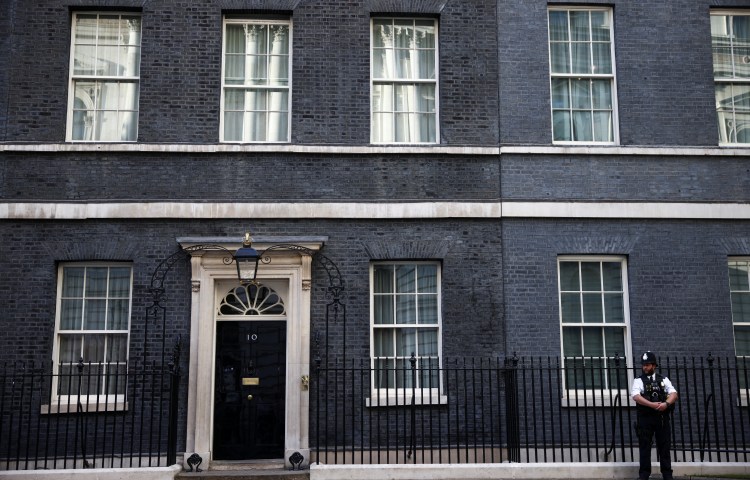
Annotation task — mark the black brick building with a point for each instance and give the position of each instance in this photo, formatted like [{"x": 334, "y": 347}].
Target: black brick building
[{"x": 495, "y": 168}]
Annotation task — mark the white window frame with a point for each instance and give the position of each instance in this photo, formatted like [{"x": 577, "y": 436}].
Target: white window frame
[
  {"x": 405, "y": 81},
  {"x": 100, "y": 401},
  {"x": 119, "y": 79},
  {"x": 224, "y": 87},
  {"x": 602, "y": 396},
  {"x": 611, "y": 76},
  {"x": 740, "y": 358},
  {"x": 396, "y": 396},
  {"x": 729, "y": 80}
]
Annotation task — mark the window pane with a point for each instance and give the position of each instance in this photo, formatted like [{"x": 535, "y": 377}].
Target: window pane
[
  {"x": 739, "y": 278},
  {"x": 560, "y": 57},
  {"x": 569, "y": 280},
  {"x": 558, "y": 25},
  {"x": 591, "y": 276},
  {"x": 95, "y": 311},
  {"x": 234, "y": 42},
  {"x": 93, "y": 348},
  {"x": 614, "y": 342},
  {"x": 73, "y": 281},
  {"x": 579, "y": 26},
  {"x": 572, "y": 342},
  {"x": 740, "y": 307},
  {"x": 70, "y": 348},
  {"x": 592, "y": 308},
  {"x": 71, "y": 314},
  {"x": 428, "y": 345},
  {"x": 118, "y": 315},
  {"x": 383, "y": 309},
  {"x": 722, "y": 53},
  {"x": 428, "y": 311},
  {"x": 383, "y": 342},
  {"x": 117, "y": 348},
  {"x": 581, "y": 56},
  {"x": 593, "y": 343},
  {"x": 382, "y": 33},
  {"x": 383, "y": 278},
  {"x": 613, "y": 308},
  {"x": 581, "y": 94},
  {"x": 741, "y": 44},
  {"x": 234, "y": 70},
  {"x": 405, "y": 278},
  {"x": 406, "y": 309},
  {"x": 571, "y": 307},
  {"x": 600, "y": 26},
  {"x": 384, "y": 375},
  {"x": 612, "y": 277},
  {"x": 561, "y": 125},
  {"x": 602, "y": 58},
  {"x": 406, "y": 342},
  {"x": 582, "y": 126},
  {"x": 424, "y": 34},
  {"x": 560, "y": 93},
  {"x": 119, "y": 282},
  {"x": 742, "y": 340},
  {"x": 603, "y": 131},
  {"x": 601, "y": 91},
  {"x": 233, "y": 126},
  {"x": 96, "y": 281},
  {"x": 427, "y": 278}
]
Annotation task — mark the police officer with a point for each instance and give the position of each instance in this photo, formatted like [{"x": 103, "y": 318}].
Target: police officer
[{"x": 655, "y": 397}]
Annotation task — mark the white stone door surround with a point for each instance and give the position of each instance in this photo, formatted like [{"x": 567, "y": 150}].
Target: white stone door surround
[{"x": 210, "y": 276}]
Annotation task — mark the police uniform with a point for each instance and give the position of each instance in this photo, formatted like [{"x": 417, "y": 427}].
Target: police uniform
[{"x": 653, "y": 423}]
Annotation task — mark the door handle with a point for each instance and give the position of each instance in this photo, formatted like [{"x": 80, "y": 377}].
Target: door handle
[{"x": 249, "y": 397}]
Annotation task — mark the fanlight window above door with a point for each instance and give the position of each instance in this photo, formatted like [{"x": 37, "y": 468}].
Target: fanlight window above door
[{"x": 252, "y": 300}]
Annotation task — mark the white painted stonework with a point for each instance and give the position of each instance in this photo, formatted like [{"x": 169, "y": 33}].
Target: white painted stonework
[
  {"x": 525, "y": 471},
  {"x": 380, "y": 210},
  {"x": 212, "y": 278},
  {"x": 146, "y": 473}
]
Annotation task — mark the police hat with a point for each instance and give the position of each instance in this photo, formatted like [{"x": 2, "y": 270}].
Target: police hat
[{"x": 648, "y": 357}]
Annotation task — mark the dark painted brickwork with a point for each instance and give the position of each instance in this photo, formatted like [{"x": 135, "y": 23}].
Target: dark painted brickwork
[
  {"x": 678, "y": 280},
  {"x": 678, "y": 284},
  {"x": 181, "y": 70},
  {"x": 663, "y": 68},
  {"x": 470, "y": 252},
  {"x": 622, "y": 178},
  {"x": 494, "y": 74},
  {"x": 241, "y": 177}
]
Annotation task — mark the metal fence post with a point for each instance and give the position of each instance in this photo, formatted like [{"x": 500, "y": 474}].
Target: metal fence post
[
  {"x": 174, "y": 386},
  {"x": 511, "y": 408}
]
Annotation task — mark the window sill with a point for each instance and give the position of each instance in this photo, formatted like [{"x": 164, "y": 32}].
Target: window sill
[
  {"x": 397, "y": 399},
  {"x": 72, "y": 407},
  {"x": 589, "y": 398}
]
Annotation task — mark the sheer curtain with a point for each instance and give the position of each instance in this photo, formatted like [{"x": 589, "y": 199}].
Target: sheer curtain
[
  {"x": 581, "y": 69},
  {"x": 404, "y": 87},
  {"x": 731, "y": 57},
  {"x": 107, "y": 52},
  {"x": 256, "y": 79}
]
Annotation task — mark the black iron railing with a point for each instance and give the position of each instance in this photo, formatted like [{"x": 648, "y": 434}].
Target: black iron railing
[
  {"x": 520, "y": 410},
  {"x": 90, "y": 416}
]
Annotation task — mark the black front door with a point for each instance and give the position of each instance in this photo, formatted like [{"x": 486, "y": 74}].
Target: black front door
[{"x": 249, "y": 390}]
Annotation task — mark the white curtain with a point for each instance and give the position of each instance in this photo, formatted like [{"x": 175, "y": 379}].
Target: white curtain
[
  {"x": 257, "y": 59},
  {"x": 403, "y": 111},
  {"x": 582, "y": 106},
  {"x": 731, "y": 51},
  {"x": 107, "y": 46}
]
